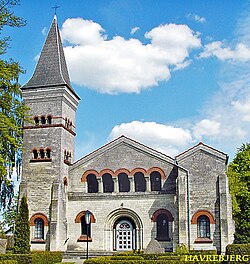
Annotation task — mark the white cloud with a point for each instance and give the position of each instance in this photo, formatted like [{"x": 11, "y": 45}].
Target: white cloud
[
  {"x": 241, "y": 52},
  {"x": 242, "y": 107},
  {"x": 164, "y": 138},
  {"x": 206, "y": 127},
  {"x": 125, "y": 65},
  {"x": 196, "y": 18},
  {"x": 133, "y": 30},
  {"x": 44, "y": 31}
]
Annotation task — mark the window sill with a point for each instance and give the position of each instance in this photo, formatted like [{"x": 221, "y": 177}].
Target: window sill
[
  {"x": 38, "y": 241},
  {"x": 83, "y": 238},
  {"x": 40, "y": 160},
  {"x": 203, "y": 240},
  {"x": 163, "y": 239}
]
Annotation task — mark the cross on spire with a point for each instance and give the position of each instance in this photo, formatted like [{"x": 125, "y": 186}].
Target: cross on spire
[{"x": 55, "y": 7}]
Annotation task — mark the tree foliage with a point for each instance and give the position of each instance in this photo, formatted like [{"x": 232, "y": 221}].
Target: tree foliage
[
  {"x": 11, "y": 107},
  {"x": 239, "y": 183},
  {"x": 22, "y": 229}
]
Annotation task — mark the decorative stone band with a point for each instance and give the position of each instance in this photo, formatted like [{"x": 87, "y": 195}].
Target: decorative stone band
[
  {"x": 53, "y": 125},
  {"x": 199, "y": 213},
  {"x": 122, "y": 170}
]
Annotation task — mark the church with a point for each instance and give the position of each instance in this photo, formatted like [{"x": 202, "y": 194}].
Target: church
[{"x": 133, "y": 193}]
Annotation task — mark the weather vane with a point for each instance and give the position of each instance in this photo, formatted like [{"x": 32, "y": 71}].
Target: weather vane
[{"x": 55, "y": 7}]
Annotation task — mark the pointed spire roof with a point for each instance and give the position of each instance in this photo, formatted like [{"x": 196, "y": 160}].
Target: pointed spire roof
[{"x": 51, "y": 69}]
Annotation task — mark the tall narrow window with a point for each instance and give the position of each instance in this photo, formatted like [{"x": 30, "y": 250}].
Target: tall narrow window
[
  {"x": 49, "y": 119},
  {"x": 43, "y": 120},
  {"x": 162, "y": 228},
  {"x": 155, "y": 179},
  {"x": 35, "y": 154},
  {"x": 84, "y": 227},
  {"x": 39, "y": 229},
  {"x": 108, "y": 184},
  {"x": 36, "y": 119},
  {"x": 124, "y": 184},
  {"x": 92, "y": 183},
  {"x": 48, "y": 153},
  {"x": 140, "y": 182},
  {"x": 203, "y": 225},
  {"x": 42, "y": 154}
]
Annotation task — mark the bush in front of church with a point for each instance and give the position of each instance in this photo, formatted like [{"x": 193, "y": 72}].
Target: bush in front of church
[{"x": 22, "y": 229}]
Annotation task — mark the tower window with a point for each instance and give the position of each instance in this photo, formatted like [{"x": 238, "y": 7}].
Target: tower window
[
  {"x": 155, "y": 179},
  {"x": 124, "y": 184},
  {"x": 203, "y": 225},
  {"x": 35, "y": 154},
  {"x": 92, "y": 183},
  {"x": 43, "y": 120},
  {"x": 140, "y": 182},
  {"x": 48, "y": 153},
  {"x": 162, "y": 228},
  {"x": 42, "y": 154},
  {"x": 36, "y": 119},
  {"x": 49, "y": 119}
]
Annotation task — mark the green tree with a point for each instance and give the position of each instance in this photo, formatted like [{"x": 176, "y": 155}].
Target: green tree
[
  {"x": 239, "y": 184},
  {"x": 12, "y": 109},
  {"x": 22, "y": 229}
]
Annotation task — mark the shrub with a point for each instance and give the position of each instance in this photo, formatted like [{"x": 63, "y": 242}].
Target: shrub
[
  {"x": 8, "y": 262},
  {"x": 22, "y": 230},
  {"x": 48, "y": 257},
  {"x": 238, "y": 249},
  {"x": 19, "y": 258}
]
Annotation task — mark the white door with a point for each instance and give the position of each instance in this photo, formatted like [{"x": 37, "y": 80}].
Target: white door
[{"x": 124, "y": 235}]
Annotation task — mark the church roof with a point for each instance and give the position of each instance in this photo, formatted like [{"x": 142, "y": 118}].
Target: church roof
[{"x": 51, "y": 69}]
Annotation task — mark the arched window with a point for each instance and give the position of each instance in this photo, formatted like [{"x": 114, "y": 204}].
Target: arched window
[
  {"x": 84, "y": 227},
  {"x": 49, "y": 119},
  {"x": 162, "y": 227},
  {"x": 42, "y": 154},
  {"x": 48, "y": 151},
  {"x": 155, "y": 179},
  {"x": 36, "y": 119},
  {"x": 124, "y": 184},
  {"x": 39, "y": 228},
  {"x": 35, "y": 154},
  {"x": 108, "y": 184},
  {"x": 203, "y": 226},
  {"x": 43, "y": 120},
  {"x": 92, "y": 183},
  {"x": 140, "y": 182}
]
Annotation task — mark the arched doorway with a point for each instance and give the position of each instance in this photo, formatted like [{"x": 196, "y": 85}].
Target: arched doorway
[{"x": 124, "y": 234}]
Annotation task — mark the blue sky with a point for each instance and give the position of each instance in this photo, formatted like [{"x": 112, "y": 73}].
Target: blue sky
[{"x": 166, "y": 73}]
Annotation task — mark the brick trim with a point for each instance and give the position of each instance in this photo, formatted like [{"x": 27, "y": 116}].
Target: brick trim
[
  {"x": 39, "y": 215},
  {"x": 163, "y": 176},
  {"x": 81, "y": 214},
  {"x": 199, "y": 213},
  {"x": 134, "y": 171},
  {"x": 86, "y": 173},
  {"x": 122, "y": 170},
  {"x": 162, "y": 211},
  {"x": 102, "y": 172}
]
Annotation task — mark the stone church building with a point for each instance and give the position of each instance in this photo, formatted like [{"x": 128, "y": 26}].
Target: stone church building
[{"x": 135, "y": 194}]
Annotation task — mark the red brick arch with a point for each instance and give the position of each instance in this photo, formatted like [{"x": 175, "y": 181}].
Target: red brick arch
[
  {"x": 134, "y": 171},
  {"x": 102, "y": 172},
  {"x": 162, "y": 211},
  {"x": 163, "y": 176},
  {"x": 86, "y": 173},
  {"x": 199, "y": 213},
  {"x": 39, "y": 215},
  {"x": 81, "y": 214},
  {"x": 122, "y": 170}
]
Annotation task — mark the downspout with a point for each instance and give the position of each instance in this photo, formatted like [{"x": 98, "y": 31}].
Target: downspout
[{"x": 188, "y": 202}]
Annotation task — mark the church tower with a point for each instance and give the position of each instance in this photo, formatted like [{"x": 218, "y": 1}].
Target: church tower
[{"x": 48, "y": 144}]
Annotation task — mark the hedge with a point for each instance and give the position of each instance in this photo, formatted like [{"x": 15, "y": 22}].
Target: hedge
[
  {"x": 35, "y": 257},
  {"x": 48, "y": 257},
  {"x": 8, "y": 262},
  {"x": 238, "y": 249}
]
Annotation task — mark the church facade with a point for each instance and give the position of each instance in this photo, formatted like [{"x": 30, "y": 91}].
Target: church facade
[{"x": 134, "y": 193}]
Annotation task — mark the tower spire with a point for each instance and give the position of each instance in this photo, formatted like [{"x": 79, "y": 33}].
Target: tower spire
[{"x": 51, "y": 69}]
